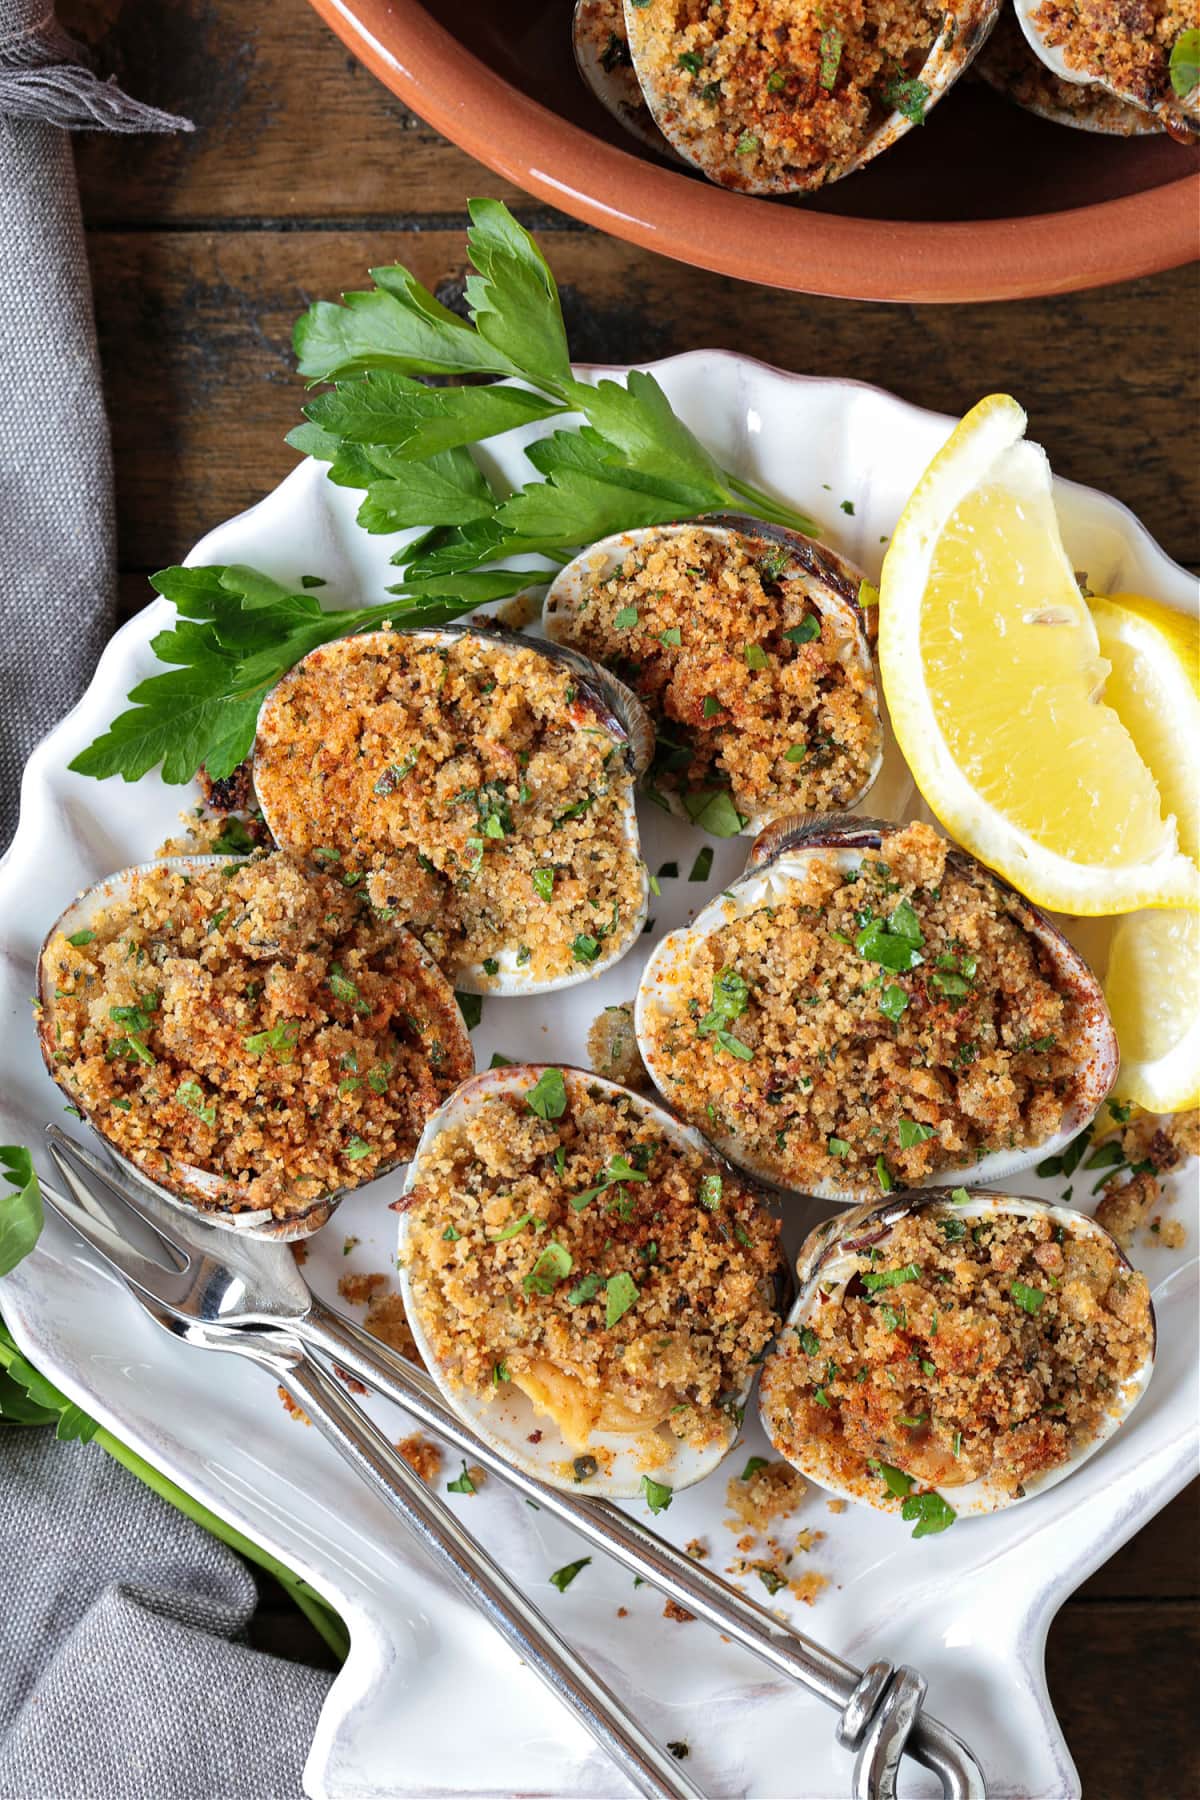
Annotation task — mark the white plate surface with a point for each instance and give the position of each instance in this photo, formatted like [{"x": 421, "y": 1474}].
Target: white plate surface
[{"x": 429, "y": 1702}]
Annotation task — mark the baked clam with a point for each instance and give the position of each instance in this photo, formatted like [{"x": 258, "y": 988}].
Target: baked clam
[
  {"x": 1122, "y": 51},
  {"x": 951, "y": 1354},
  {"x": 770, "y": 98},
  {"x": 247, "y": 1037},
  {"x": 1008, "y": 64},
  {"x": 606, "y": 68},
  {"x": 748, "y": 646},
  {"x": 868, "y": 1008},
  {"x": 590, "y": 1287},
  {"x": 479, "y": 785}
]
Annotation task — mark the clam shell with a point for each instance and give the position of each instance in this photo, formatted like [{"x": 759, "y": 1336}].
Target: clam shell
[
  {"x": 508, "y": 1419},
  {"x": 191, "y": 1188},
  {"x": 957, "y": 44},
  {"x": 828, "y": 580},
  {"x": 600, "y": 699},
  {"x": 594, "y": 24},
  {"x": 1008, "y": 65},
  {"x": 1179, "y": 117},
  {"x": 779, "y": 856},
  {"x": 826, "y": 1262}
]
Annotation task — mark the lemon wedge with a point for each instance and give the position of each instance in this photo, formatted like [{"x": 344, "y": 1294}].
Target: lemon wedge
[
  {"x": 994, "y": 679},
  {"x": 1153, "y": 653},
  {"x": 1153, "y": 992}
]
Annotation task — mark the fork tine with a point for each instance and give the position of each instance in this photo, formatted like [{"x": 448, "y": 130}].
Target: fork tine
[
  {"x": 65, "y": 1148},
  {"x": 84, "y": 1214}
]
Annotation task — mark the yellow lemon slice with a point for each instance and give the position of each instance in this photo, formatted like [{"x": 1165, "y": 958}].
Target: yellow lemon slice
[
  {"x": 1153, "y": 686},
  {"x": 1153, "y": 992},
  {"x": 994, "y": 680}
]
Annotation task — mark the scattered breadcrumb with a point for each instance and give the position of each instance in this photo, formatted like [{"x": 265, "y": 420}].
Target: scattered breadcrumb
[
  {"x": 387, "y": 1321},
  {"x": 772, "y": 1492},
  {"x": 672, "y": 1610},
  {"x": 422, "y": 1455},
  {"x": 622, "y": 1612},
  {"x": 612, "y": 1048},
  {"x": 837, "y": 1506},
  {"x": 352, "y": 1382},
  {"x": 1150, "y": 1146},
  {"x": 291, "y": 1408},
  {"x": 358, "y": 1289},
  {"x": 697, "y": 1549},
  {"x": 806, "y": 1587}
]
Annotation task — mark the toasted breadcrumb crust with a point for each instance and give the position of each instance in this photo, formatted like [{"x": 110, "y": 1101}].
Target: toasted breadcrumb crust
[
  {"x": 779, "y": 94},
  {"x": 998, "y": 1355},
  {"x": 786, "y": 725},
  {"x": 984, "y": 1051},
  {"x": 477, "y": 789},
  {"x": 422, "y": 1455},
  {"x": 254, "y": 1021},
  {"x": 493, "y": 1195},
  {"x": 772, "y": 1492},
  {"x": 1008, "y": 64},
  {"x": 1126, "y": 44}
]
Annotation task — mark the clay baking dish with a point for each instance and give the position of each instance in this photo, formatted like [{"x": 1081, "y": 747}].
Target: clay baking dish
[{"x": 986, "y": 202}]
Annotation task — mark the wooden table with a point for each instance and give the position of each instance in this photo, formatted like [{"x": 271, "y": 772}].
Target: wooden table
[{"x": 302, "y": 173}]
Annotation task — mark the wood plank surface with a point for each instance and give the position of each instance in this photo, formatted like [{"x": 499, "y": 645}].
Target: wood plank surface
[{"x": 302, "y": 173}]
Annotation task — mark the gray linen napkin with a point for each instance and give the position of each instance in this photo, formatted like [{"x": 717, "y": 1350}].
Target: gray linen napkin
[
  {"x": 124, "y": 1674},
  {"x": 57, "y": 526},
  {"x": 124, "y": 1671}
]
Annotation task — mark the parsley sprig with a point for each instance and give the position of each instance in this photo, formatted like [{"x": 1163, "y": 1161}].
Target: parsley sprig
[{"x": 382, "y": 429}]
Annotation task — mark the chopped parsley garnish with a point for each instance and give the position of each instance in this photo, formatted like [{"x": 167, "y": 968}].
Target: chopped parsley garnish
[
  {"x": 345, "y": 990},
  {"x": 884, "y": 1176},
  {"x": 875, "y": 1279},
  {"x": 562, "y": 1578},
  {"x": 622, "y": 1294},
  {"x": 795, "y": 753},
  {"x": 79, "y": 938},
  {"x": 746, "y": 145},
  {"x": 701, "y": 869},
  {"x": 868, "y": 595},
  {"x": 752, "y": 1467},
  {"x": 895, "y": 1480},
  {"x": 912, "y": 1133},
  {"x": 672, "y": 637},
  {"x": 585, "y": 948},
  {"x": 892, "y": 943},
  {"x": 959, "y": 1196},
  {"x": 712, "y": 809},
  {"x": 356, "y": 1149},
  {"x": 837, "y": 1146},
  {"x": 893, "y": 1002},
  {"x": 810, "y": 1343},
  {"x": 908, "y": 96},
  {"x": 625, "y": 618},
  {"x": 658, "y": 1495},
  {"x": 710, "y": 1192},
  {"x": 471, "y": 1008},
  {"x": 280, "y": 1040},
  {"x": 462, "y": 1484},
  {"x": 805, "y": 632},
  {"x": 756, "y": 657},
  {"x": 953, "y": 1230},
  {"x": 832, "y": 44},
  {"x": 548, "y": 1097},
  {"x": 771, "y": 1579},
  {"x": 191, "y": 1095},
  {"x": 1184, "y": 64},
  {"x": 551, "y": 1267},
  {"x": 712, "y": 706},
  {"x": 1029, "y": 1299},
  {"x": 543, "y": 883},
  {"x": 585, "y": 1290},
  {"x": 930, "y": 1513},
  {"x": 451, "y": 1234},
  {"x": 512, "y": 1230}
]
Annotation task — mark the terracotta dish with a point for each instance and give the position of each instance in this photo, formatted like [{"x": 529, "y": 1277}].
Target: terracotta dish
[{"x": 987, "y": 202}]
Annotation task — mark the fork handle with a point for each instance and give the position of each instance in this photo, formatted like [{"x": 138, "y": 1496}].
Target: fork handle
[
  {"x": 652, "y": 1770},
  {"x": 642, "y": 1550}
]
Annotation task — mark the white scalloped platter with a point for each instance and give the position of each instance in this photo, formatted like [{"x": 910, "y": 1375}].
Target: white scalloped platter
[{"x": 429, "y": 1702}]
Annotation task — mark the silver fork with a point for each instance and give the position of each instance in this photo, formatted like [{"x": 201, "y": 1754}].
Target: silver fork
[
  {"x": 223, "y": 1280},
  {"x": 651, "y": 1769}
]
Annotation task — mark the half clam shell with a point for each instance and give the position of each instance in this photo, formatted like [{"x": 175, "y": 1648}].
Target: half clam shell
[
  {"x": 834, "y": 1256},
  {"x": 600, "y": 702},
  {"x": 827, "y": 581},
  {"x": 779, "y": 858},
  {"x": 606, "y": 68},
  {"x": 507, "y": 1418},
  {"x": 1180, "y": 117},
  {"x": 688, "y": 104},
  {"x": 188, "y": 1187}
]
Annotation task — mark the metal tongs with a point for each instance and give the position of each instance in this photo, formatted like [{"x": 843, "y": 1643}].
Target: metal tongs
[{"x": 219, "y": 1290}]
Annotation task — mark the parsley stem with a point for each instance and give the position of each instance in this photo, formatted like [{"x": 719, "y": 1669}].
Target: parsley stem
[{"x": 776, "y": 512}]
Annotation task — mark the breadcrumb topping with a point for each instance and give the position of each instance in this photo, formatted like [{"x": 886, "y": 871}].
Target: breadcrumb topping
[
  {"x": 255, "y": 1022},
  {"x": 872, "y": 1027},
  {"x": 588, "y": 1248}
]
